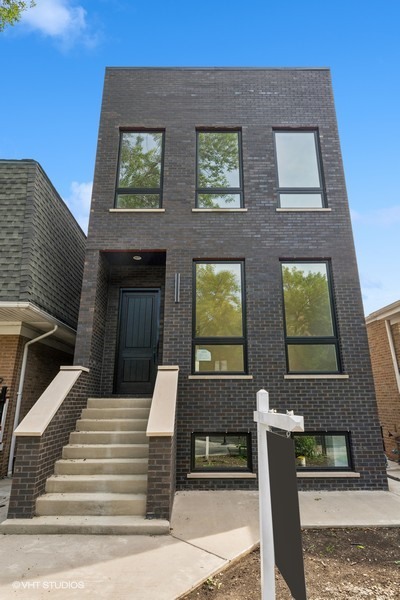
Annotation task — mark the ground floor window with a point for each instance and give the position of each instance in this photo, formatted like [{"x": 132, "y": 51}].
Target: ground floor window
[
  {"x": 221, "y": 452},
  {"x": 323, "y": 451}
]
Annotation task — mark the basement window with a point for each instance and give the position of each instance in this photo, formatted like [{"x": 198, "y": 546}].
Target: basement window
[
  {"x": 320, "y": 451},
  {"x": 221, "y": 452}
]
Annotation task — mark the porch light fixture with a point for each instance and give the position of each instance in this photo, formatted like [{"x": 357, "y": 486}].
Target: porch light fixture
[{"x": 137, "y": 257}]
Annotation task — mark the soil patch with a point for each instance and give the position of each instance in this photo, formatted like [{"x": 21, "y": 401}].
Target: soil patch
[{"x": 339, "y": 564}]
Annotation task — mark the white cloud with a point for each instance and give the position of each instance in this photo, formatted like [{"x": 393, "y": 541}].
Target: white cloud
[
  {"x": 62, "y": 21},
  {"x": 79, "y": 202}
]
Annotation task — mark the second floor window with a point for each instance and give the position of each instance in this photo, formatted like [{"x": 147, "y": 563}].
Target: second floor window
[
  {"x": 139, "y": 182},
  {"x": 219, "y": 179},
  {"x": 299, "y": 170}
]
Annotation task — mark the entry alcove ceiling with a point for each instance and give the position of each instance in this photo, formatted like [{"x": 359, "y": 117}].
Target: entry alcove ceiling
[{"x": 123, "y": 258}]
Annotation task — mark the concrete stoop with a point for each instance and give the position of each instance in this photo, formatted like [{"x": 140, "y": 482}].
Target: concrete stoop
[{"x": 100, "y": 483}]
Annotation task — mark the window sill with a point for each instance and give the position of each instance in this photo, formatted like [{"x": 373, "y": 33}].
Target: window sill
[
  {"x": 335, "y": 474},
  {"x": 321, "y": 209},
  {"x": 221, "y": 475},
  {"x": 310, "y": 376},
  {"x": 136, "y": 210},
  {"x": 221, "y": 210},
  {"x": 220, "y": 377}
]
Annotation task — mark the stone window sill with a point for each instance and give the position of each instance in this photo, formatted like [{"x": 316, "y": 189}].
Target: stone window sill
[
  {"x": 330, "y": 474},
  {"x": 220, "y": 377},
  {"x": 218, "y": 210},
  {"x": 306, "y": 376},
  {"x": 137, "y": 210},
  {"x": 221, "y": 475},
  {"x": 322, "y": 209}
]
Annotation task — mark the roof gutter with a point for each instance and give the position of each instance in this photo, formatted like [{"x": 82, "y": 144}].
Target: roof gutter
[{"x": 19, "y": 394}]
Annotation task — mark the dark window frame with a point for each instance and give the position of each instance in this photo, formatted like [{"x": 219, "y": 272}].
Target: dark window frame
[
  {"x": 302, "y": 190},
  {"x": 121, "y": 191},
  {"x": 222, "y": 341},
  {"x": 247, "y": 469},
  {"x": 346, "y": 434},
  {"x": 313, "y": 340},
  {"x": 228, "y": 190}
]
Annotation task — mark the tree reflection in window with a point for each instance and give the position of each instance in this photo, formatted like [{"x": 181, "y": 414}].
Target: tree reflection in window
[
  {"x": 140, "y": 166},
  {"x": 310, "y": 332},
  {"x": 218, "y": 177},
  {"x": 218, "y": 327}
]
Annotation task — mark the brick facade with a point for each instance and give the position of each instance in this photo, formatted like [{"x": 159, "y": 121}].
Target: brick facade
[
  {"x": 380, "y": 328},
  {"x": 255, "y": 100}
]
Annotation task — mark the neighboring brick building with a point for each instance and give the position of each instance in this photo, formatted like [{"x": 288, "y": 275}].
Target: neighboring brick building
[
  {"x": 220, "y": 242},
  {"x": 41, "y": 266},
  {"x": 383, "y": 329}
]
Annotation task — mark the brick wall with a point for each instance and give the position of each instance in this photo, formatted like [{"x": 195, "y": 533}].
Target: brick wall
[
  {"x": 387, "y": 392},
  {"x": 42, "y": 366},
  {"x": 255, "y": 100},
  {"x": 36, "y": 455}
]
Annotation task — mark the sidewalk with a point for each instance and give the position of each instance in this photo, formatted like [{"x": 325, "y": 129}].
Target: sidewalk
[{"x": 209, "y": 529}]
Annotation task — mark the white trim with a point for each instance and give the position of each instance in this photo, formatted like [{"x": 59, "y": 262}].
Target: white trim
[
  {"x": 74, "y": 368},
  {"x": 392, "y": 310},
  {"x": 220, "y": 210},
  {"x": 332, "y": 474},
  {"x": 393, "y": 352},
  {"x": 220, "y": 377},
  {"x": 136, "y": 210},
  {"x": 221, "y": 475},
  {"x": 316, "y": 209},
  {"x": 338, "y": 376}
]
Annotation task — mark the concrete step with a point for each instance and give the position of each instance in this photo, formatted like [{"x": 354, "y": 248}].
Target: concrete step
[
  {"x": 111, "y": 425},
  {"x": 120, "y": 484},
  {"x": 106, "y": 451},
  {"x": 100, "y": 504},
  {"x": 119, "y": 402},
  {"x": 93, "y": 525},
  {"x": 115, "y": 413},
  {"x": 99, "y": 466},
  {"x": 108, "y": 437}
]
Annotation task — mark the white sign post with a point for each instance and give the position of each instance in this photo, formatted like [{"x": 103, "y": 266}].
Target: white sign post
[{"x": 265, "y": 419}]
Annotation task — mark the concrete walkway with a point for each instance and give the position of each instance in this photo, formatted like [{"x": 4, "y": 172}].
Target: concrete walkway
[{"x": 209, "y": 529}]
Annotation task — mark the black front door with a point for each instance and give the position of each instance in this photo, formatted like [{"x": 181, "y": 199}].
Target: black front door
[{"x": 136, "y": 365}]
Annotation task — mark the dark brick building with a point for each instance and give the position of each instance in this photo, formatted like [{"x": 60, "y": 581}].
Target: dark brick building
[
  {"x": 41, "y": 266},
  {"x": 220, "y": 224},
  {"x": 220, "y": 243}
]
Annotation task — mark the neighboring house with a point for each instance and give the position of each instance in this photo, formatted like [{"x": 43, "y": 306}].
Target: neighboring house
[
  {"x": 41, "y": 266},
  {"x": 219, "y": 242},
  {"x": 383, "y": 329}
]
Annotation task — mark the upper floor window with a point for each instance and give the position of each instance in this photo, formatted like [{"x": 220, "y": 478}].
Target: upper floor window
[
  {"x": 299, "y": 169},
  {"x": 311, "y": 337},
  {"x": 218, "y": 318},
  {"x": 140, "y": 169},
  {"x": 219, "y": 179}
]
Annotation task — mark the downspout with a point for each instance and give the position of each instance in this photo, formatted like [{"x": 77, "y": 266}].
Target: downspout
[
  {"x": 19, "y": 394},
  {"x": 393, "y": 352}
]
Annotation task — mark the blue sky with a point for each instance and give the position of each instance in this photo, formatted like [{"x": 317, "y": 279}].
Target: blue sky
[{"x": 53, "y": 61}]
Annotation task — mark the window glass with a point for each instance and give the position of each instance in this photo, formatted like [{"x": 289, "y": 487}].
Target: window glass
[
  {"x": 218, "y": 341},
  {"x": 218, "y": 169},
  {"x": 311, "y": 339},
  {"x": 298, "y": 169},
  {"x": 221, "y": 452},
  {"x": 322, "y": 451},
  {"x": 218, "y": 300},
  {"x": 140, "y": 170},
  {"x": 307, "y": 302}
]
